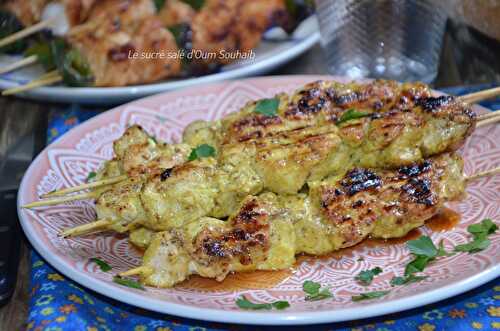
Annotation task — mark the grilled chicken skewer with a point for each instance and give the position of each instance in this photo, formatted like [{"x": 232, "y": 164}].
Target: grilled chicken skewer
[
  {"x": 268, "y": 230},
  {"x": 304, "y": 141}
]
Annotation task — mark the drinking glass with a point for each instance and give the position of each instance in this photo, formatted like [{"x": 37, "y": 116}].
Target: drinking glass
[{"x": 392, "y": 39}]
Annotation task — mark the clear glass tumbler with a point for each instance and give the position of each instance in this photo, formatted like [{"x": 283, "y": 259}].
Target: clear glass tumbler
[{"x": 393, "y": 39}]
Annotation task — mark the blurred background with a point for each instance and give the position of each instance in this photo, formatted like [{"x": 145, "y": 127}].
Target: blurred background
[{"x": 452, "y": 44}]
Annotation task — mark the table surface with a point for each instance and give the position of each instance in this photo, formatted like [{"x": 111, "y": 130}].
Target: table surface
[{"x": 466, "y": 59}]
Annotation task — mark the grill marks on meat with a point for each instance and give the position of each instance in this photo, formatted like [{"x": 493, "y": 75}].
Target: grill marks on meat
[
  {"x": 311, "y": 101},
  {"x": 433, "y": 104},
  {"x": 363, "y": 196},
  {"x": 358, "y": 180},
  {"x": 420, "y": 191},
  {"x": 415, "y": 169},
  {"x": 392, "y": 108},
  {"x": 255, "y": 126},
  {"x": 249, "y": 230}
]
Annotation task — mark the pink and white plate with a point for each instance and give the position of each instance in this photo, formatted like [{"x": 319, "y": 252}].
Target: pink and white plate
[{"x": 68, "y": 161}]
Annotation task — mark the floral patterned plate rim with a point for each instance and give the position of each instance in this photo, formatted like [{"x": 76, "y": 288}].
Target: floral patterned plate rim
[{"x": 67, "y": 161}]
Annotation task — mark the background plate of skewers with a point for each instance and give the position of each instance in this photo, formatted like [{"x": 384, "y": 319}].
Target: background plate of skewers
[
  {"x": 374, "y": 254},
  {"x": 112, "y": 51}
]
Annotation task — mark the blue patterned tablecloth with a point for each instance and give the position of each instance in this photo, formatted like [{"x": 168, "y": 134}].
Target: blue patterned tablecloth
[{"x": 58, "y": 303}]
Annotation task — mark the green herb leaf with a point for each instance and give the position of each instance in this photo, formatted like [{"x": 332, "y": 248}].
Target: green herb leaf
[
  {"x": 475, "y": 246},
  {"x": 201, "y": 151},
  {"x": 280, "y": 305},
  {"x": 422, "y": 246},
  {"x": 480, "y": 233},
  {"x": 128, "y": 282},
  {"x": 315, "y": 292},
  {"x": 486, "y": 227},
  {"x": 351, "y": 114},
  {"x": 442, "y": 251},
  {"x": 369, "y": 295},
  {"x": 75, "y": 69},
  {"x": 311, "y": 287},
  {"x": 102, "y": 265},
  {"x": 417, "y": 265},
  {"x": 91, "y": 176},
  {"x": 43, "y": 53},
  {"x": 366, "y": 277},
  {"x": 244, "y": 303},
  {"x": 267, "y": 107},
  {"x": 412, "y": 278}
]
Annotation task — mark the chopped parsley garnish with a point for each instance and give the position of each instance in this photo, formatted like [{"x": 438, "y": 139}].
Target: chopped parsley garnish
[
  {"x": 128, "y": 282},
  {"x": 91, "y": 176},
  {"x": 418, "y": 264},
  {"x": 442, "y": 251},
  {"x": 351, "y": 114},
  {"x": 315, "y": 292},
  {"x": 412, "y": 278},
  {"x": 423, "y": 246},
  {"x": 201, "y": 151},
  {"x": 267, "y": 107},
  {"x": 366, "y": 277},
  {"x": 480, "y": 233},
  {"x": 424, "y": 251},
  {"x": 244, "y": 303},
  {"x": 102, "y": 265},
  {"x": 369, "y": 295}
]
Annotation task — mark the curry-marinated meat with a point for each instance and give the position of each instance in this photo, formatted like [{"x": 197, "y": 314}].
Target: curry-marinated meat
[
  {"x": 267, "y": 231},
  {"x": 258, "y": 237},
  {"x": 280, "y": 161},
  {"x": 304, "y": 142}
]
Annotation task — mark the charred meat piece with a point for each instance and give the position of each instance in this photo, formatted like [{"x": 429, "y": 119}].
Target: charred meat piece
[{"x": 257, "y": 237}]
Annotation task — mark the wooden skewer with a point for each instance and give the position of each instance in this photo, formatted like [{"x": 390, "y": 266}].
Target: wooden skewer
[
  {"x": 26, "y": 32},
  {"x": 98, "y": 183},
  {"x": 49, "y": 74},
  {"x": 488, "y": 121},
  {"x": 142, "y": 270},
  {"x": 481, "y": 95},
  {"x": 60, "y": 200},
  {"x": 85, "y": 228},
  {"x": 43, "y": 81},
  {"x": 491, "y": 114},
  {"x": 27, "y": 61},
  {"x": 487, "y": 173}
]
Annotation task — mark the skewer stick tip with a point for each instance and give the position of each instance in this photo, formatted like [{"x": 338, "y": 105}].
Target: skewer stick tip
[
  {"x": 487, "y": 173},
  {"x": 95, "y": 184},
  {"x": 85, "y": 229},
  {"x": 60, "y": 200},
  {"x": 488, "y": 120}
]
